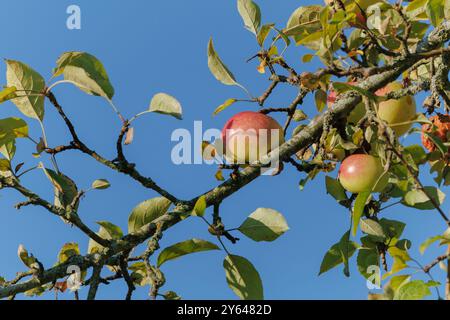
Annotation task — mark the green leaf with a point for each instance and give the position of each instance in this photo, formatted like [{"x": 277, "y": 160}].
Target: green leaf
[
  {"x": 171, "y": 295},
  {"x": 114, "y": 231},
  {"x": 338, "y": 253},
  {"x": 8, "y": 150},
  {"x": 12, "y": 128},
  {"x": 299, "y": 115},
  {"x": 320, "y": 98},
  {"x": 218, "y": 68},
  {"x": 413, "y": 290},
  {"x": 373, "y": 228},
  {"x": 264, "y": 225},
  {"x": 424, "y": 246},
  {"x": 200, "y": 207},
  {"x": 303, "y": 22},
  {"x": 166, "y": 104},
  {"x": 335, "y": 189},
  {"x": 100, "y": 184},
  {"x": 392, "y": 229},
  {"x": 435, "y": 11},
  {"x": 68, "y": 250},
  {"x": 5, "y": 165},
  {"x": 416, "y": 4},
  {"x": 65, "y": 188},
  {"x": 307, "y": 57},
  {"x": 8, "y": 93},
  {"x": 263, "y": 33},
  {"x": 400, "y": 258},
  {"x": 86, "y": 72},
  {"x": 31, "y": 83},
  {"x": 417, "y": 153},
  {"x": 243, "y": 278},
  {"x": 358, "y": 209},
  {"x": 146, "y": 212},
  {"x": 310, "y": 38},
  {"x": 183, "y": 248},
  {"x": 283, "y": 36},
  {"x": 139, "y": 274},
  {"x": 251, "y": 14},
  {"x": 223, "y": 106},
  {"x": 26, "y": 258},
  {"x": 367, "y": 258},
  {"x": 419, "y": 200},
  {"x": 107, "y": 231}
]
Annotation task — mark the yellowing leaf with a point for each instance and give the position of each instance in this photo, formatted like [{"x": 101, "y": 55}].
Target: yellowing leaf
[
  {"x": 100, "y": 184},
  {"x": 200, "y": 207},
  {"x": 223, "y": 106},
  {"x": 8, "y": 93},
  {"x": 219, "y": 175}
]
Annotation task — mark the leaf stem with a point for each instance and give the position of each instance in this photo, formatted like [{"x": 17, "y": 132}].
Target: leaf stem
[
  {"x": 138, "y": 115},
  {"x": 44, "y": 137}
]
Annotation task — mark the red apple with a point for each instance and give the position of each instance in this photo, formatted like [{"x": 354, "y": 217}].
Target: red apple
[
  {"x": 442, "y": 124},
  {"x": 362, "y": 172},
  {"x": 248, "y": 136}
]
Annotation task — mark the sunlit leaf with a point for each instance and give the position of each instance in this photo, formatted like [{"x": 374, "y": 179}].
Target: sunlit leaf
[
  {"x": 251, "y": 14},
  {"x": 183, "y": 248},
  {"x": 166, "y": 104},
  {"x": 31, "y": 85},
  {"x": 225, "y": 105},
  {"x": 68, "y": 250},
  {"x": 358, "y": 210},
  {"x": 86, "y": 72},
  {"x": 146, "y": 212},
  {"x": 218, "y": 68},
  {"x": 8, "y": 93},
  {"x": 200, "y": 207},
  {"x": 100, "y": 184},
  {"x": 419, "y": 199},
  {"x": 413, "y": 290},
  {"x": 264, "y": 225}
]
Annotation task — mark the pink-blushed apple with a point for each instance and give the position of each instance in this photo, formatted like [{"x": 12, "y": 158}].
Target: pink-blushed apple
[
  {"x": 397, "y": 113},
  {"x": 362, "y": 173},
  {"x": 249, "y": 135}
]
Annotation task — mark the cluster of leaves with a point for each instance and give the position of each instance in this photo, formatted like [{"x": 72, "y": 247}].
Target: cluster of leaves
[{"x": 378, "y": 32}]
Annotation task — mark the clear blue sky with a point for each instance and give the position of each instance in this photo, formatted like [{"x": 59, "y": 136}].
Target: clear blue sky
[{"x": 153, "y": 46}]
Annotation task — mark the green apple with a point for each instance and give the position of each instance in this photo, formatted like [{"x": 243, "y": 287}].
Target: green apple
[{"x": 397, "y": 112}]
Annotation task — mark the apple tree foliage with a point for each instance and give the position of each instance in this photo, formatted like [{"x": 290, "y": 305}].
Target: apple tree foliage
[{"x": 368, "y": 43}]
